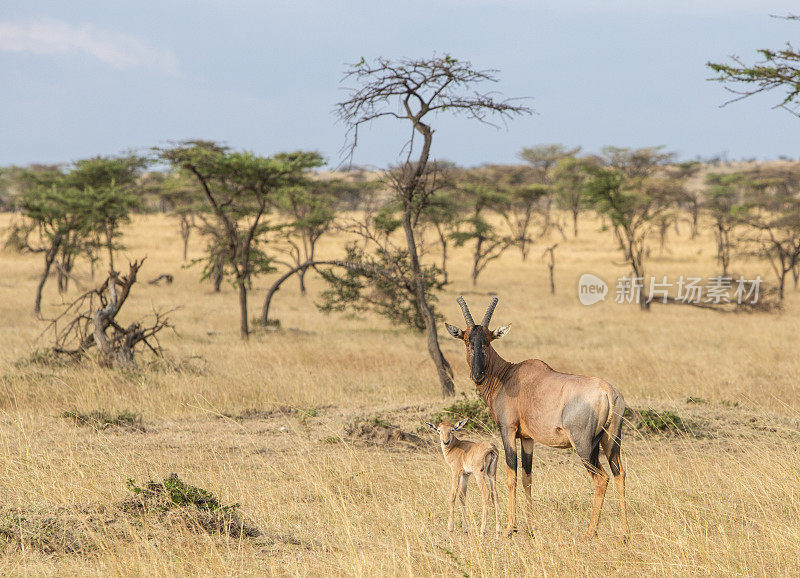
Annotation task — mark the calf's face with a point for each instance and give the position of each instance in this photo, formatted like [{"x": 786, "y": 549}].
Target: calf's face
[{"x": 445, "y": 430}]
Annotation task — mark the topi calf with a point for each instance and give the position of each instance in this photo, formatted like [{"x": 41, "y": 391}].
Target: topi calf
[{"x": 466, "y": 458}]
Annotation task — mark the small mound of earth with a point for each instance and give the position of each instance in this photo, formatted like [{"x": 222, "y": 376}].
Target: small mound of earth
[
  {"x": 379, "y": 433},
  {"x": 50, "y": 532},
  {"x": 174, "y": 501}
]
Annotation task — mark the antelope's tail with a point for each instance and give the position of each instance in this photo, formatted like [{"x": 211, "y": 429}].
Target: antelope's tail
[{"x": 490, "y": 463}]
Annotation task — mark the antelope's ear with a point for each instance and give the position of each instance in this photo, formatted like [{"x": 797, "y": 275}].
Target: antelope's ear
[
  {"x": 454, "y": 331},
  {"x": 501, "y": 331},
  {"x": 461, "y": 424},
  {"x": 431, "y": 426}
]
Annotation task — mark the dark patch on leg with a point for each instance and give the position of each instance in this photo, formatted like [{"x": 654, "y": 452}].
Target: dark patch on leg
[
  {"x": 510, "y": 449},
  {"x": 613, "y": 461},
  {"x": 592, "y": 462},
  {"x": 527, "y": 456}
]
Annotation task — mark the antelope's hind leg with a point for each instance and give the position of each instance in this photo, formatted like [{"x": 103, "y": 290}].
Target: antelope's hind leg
[
  {"x": 480, "y": 479},
  {"x": 611, "y": 447},
  {"x": 491, "y": 479},
  {"x": 600, "y": 479},
  {"x": 589, "y": 453}
]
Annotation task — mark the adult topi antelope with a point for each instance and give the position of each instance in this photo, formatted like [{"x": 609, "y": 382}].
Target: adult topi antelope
[
  {"x": 531, "y": 401},
  {"x": 466, "y": 458}
]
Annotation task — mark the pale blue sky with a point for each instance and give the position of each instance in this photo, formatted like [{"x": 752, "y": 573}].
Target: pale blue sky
[{"x": 98, "y": 77}]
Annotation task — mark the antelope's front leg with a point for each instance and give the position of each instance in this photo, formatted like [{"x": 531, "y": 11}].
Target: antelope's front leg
[
  {"x": 510, "y": 448},
  {"x": 453, "y": 494}
]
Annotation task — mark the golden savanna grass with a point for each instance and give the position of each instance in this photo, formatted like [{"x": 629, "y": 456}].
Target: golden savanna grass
[{"x": 722, "y": 500}]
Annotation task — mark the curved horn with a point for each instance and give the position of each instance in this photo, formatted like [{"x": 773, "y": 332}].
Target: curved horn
[
  {"x": 488, "y": 317},
  {"x": 465, "y": 311}
]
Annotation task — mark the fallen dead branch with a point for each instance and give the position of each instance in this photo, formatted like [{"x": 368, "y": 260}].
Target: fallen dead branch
[{"x": 91, "y": 321}]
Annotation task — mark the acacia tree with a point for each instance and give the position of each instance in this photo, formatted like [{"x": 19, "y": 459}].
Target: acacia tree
[
  {"x": 690, "y": 196},
  {"x": 238, "y": 187},
  {"x": 777, "y": 69},
  {"x": 569, "y": 177},
  {"x": 488, "y": 243},
  {"x": 61, "y": 216},
  {"x": 628, "y": 191},
  {"x": 773, "y": 213},
  {"x": 527, "y": 204},
  {"x": 414, "y": 91},
  {"x": 311, "y": 208},
  {"x": 180, "y": 194},
  {"x": 76, "y": 212},
  {"x": 443, "y": 213},
  {"x": 542, "y": 159},
  {"x": 111, "y": 183},
  {"x": 724, "y": 204}
]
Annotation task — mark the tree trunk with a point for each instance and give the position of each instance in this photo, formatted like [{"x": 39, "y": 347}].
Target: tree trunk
[
  {"x": 186, "y": 231},
  {"x": 216, "y": 278},
  {"x": 244, "y": 330},
  {"x": 636, "y": 257},
  {"x": 443, "y": 243},
  {"x": 110, "y": 246},
  {"x": 302, "y": 275},
  {"x": 49, "y": 257},
  {"x": 442, "y": 366},
  {"x": 695, "y": 216},
  {"x": 476, "y": 260},
  {"x": 551, "y": 265},
  {"x": 302, "y": 268},
  {"x": 575, "y": 223}
]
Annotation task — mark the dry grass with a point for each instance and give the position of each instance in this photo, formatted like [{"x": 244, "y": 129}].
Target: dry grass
[{"x": 265, "y": 425}]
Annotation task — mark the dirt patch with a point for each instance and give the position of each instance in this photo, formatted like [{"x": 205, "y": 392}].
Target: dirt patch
[
  {"x": 378, "y": 432},
  {"x": 279, "y": 411},
  {"x": 102, "y": 420}
]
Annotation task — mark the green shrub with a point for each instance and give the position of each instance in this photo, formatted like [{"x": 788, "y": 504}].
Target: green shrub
[
  {"x": 655, "y": 421},
  {"x": 199, "y": 509},
  {"x": 474, "y": 408},
  {"x": 174, "y": 492}
]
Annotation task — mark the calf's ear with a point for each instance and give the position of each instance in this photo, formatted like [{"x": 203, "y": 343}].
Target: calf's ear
[
  {"x": 431, "y": 426},
  {"x": 461, "y": 424},
  {"x": 454, "y": 331}
]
